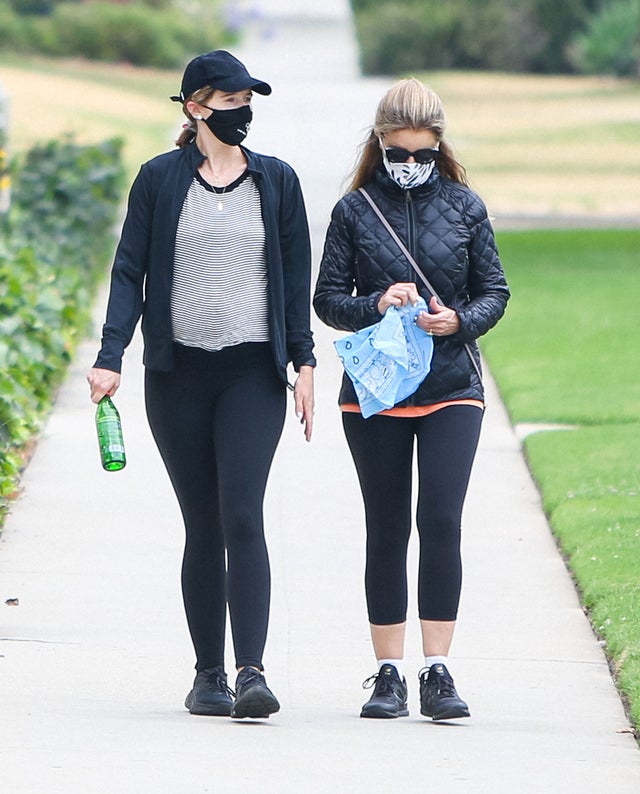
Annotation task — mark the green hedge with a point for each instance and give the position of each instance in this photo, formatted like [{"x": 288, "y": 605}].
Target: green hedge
[
  {"x": 58, "y": 238},
  {"x": 161, "y": 34},
  {"x": 544, "y": 36}
]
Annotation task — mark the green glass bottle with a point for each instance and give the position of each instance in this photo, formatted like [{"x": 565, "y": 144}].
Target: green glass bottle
[{"x": 110, "y": 436}]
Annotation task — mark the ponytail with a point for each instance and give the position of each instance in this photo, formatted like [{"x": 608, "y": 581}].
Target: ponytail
[{"x": 190, "y": 130}]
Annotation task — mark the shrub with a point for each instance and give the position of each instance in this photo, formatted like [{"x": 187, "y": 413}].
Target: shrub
[
  {"x": 59, "y": 232},
  {"x": 37, "y": 7},
  {"x": 12, "y": 35},
  {"x": 559, "y": 23},
  {"x": 611, "y": 43},
  {"x": 64, "y": 194},
  {"x": 504, "y": 37},
  {"x": 106, "y": 32},
  {"x": 157, "y": 33},
  {"x": 409, "y": 35},
  {"x": 400, "y": 37}
]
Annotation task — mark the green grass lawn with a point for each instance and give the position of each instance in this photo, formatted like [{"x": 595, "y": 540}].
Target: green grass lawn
[
  {"x": 568, "y": 351},
  {"x": 569, "y": 347}
]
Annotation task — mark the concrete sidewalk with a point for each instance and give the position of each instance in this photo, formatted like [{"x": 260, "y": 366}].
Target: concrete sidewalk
[{"x": 96, "y": 660}]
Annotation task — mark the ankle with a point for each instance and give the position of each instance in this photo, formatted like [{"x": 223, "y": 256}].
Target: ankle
[
  {"x": 397, "y": 663},
  {"x": 429, "y": 661}
]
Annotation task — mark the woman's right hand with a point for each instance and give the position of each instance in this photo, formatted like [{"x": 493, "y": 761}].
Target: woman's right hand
[
  {"x": 101, "y": 382},
  {"x": 398, "y": 295}
]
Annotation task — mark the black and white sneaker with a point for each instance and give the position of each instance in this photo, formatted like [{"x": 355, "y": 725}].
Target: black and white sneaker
[
  {"x": 389, "y": 697},
  {"x": 253, "y": 696},
  {"x": 438, "y": 697},
  {"x": 210, "y": 695}
]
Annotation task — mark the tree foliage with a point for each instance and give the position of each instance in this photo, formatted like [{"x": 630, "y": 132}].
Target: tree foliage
[
  {"x": 542, "y": 36},
  {"x": 611, "y": 42}
]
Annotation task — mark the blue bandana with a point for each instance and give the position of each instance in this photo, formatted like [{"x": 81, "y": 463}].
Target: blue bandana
[{"x": 386, "y": 362}]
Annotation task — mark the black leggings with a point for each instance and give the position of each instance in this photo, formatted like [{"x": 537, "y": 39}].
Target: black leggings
[
  {"x": 382, "y": 449},
  {"x": 217, "y": 419}
]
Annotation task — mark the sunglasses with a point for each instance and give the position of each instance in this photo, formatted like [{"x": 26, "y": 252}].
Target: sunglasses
[{"x": 395, "y": 154}]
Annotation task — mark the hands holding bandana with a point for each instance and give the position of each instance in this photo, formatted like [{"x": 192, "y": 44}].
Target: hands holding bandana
[{"x": 389, "y": 360}]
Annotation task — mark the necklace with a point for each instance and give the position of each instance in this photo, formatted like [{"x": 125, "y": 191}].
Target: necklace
[{"x": 220, "y": 192}]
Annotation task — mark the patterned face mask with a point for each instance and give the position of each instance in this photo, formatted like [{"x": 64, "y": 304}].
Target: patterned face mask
[{"x": 407, "y": 175}]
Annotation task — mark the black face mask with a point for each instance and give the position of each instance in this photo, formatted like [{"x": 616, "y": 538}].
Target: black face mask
[{"x": 230, "y": 126}]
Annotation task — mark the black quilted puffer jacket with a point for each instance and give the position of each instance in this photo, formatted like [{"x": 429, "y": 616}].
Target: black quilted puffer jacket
[{"x": 446, "y": 228}]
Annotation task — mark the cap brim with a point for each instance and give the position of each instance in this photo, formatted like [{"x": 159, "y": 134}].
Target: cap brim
[
  {"x": 231, "y": 86},
  {"x": 261, "y": 88}
]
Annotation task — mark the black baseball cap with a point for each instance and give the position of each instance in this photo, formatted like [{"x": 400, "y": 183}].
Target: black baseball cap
[{"x": 218, "y": 69}]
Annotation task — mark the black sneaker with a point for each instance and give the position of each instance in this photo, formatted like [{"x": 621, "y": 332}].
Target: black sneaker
[
  {"x": 253, "y": 696},
  {"x": 210, "y": 694},
  {"x": 389, "y": 698},
  {"x": 438, "y": 697}
]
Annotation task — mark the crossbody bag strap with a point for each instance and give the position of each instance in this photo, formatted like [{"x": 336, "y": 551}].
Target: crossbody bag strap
[
  {"x": 399, "y": 243},
  {"x": 413, "y": 264}
]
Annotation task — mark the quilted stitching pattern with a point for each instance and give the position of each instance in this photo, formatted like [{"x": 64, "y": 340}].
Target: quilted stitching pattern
[{"x": 446, "y": 228}]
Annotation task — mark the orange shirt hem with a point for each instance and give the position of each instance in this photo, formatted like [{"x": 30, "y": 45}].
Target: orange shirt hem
[{"x": 414, "y": 410}]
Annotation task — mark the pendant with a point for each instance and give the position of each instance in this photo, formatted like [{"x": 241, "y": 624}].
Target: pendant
[{"x": 220, "y": 206}]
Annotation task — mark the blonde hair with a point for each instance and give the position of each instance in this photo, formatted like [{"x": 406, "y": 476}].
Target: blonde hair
[
  {"x": 407, "y": 105},
  {"x": 189, "y": 130}
]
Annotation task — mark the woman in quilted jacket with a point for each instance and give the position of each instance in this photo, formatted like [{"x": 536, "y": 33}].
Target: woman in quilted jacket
[{"x": 409, "y": 171}]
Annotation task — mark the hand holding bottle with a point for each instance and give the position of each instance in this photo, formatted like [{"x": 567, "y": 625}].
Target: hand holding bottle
[{"x": 102, "y": 382}]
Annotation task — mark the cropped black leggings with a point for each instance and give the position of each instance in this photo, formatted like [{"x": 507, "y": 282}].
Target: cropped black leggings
[
  {"x": 217, "y": 419},
  {"x": 382, "y": 449}
]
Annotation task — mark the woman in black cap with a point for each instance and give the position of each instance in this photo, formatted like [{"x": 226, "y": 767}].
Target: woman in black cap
[{"x": 215, "y": 257}]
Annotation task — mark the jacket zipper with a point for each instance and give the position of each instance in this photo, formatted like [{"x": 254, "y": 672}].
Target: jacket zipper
[
  {"x": 411, "y": 232},
  {"x": 412, "y": 245}
]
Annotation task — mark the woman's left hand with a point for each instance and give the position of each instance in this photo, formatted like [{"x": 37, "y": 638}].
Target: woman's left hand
[
  {"x": 441, "y": 321},
  {"x": 303, "y": 396}
]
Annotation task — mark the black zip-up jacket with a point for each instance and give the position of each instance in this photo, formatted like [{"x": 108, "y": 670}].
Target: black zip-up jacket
[
  {"x": 446, "y": 229},
  {"x": 142, "y": 272}
]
